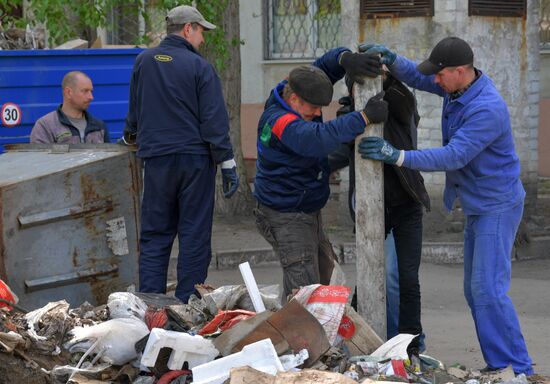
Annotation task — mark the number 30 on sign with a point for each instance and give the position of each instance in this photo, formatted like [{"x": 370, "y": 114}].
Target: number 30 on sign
[{"x": 11, "y": 114}]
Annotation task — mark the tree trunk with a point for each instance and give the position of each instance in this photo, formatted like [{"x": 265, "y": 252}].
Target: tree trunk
[{"x": 228, "y": 21}]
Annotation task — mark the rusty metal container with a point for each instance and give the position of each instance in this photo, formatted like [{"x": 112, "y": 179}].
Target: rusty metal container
[{"x": 69, "y": 221}]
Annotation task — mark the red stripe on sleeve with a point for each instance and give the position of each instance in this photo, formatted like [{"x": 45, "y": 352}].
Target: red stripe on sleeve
[{"x": 281, "y": 124}]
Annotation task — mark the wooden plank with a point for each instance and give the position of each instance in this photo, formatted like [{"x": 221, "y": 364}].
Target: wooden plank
[
  {"x": 369, "y": 222},
  {"x": 365, "y": 340}
]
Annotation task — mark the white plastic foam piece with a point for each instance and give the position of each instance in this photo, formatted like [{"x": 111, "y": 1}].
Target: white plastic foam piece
[
  {"x": 252, "y": 287},
  {"x": 260, "y": 355},
  {"x": 196, "y": 350}
]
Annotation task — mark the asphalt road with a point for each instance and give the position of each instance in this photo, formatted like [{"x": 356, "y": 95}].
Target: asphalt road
[{"x": 450, "y": 334}]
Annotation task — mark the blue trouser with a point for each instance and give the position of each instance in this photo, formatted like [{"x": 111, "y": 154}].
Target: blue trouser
[
  {"x": 488, "y": 241},
  {"x": 178, "y": 198}
]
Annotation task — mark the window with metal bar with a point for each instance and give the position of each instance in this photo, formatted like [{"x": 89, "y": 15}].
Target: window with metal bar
[
  {"x": 373, "y": 9},
  {"x": 301, "y": 29},
  {"x": 544, "y": 26},
  {"x": 506, "y": 8}
]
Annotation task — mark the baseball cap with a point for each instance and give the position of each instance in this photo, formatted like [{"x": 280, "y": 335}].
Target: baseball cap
[
  {"x": 184, "y": 14},
  {"x": 311, "y": 84},
  {"x": 449, "y": 52}
]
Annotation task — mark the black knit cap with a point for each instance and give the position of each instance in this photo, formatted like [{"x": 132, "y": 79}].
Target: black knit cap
[
  {"x": 311, "y": 84},
  {"x": 449, "y": 52}
]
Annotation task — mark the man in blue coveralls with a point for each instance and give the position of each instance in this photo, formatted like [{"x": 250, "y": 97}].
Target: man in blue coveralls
[
  {"x": 177, "y": 115},
  {"x": 292, "y": 178},
  {"x": 483, "y": 171}
]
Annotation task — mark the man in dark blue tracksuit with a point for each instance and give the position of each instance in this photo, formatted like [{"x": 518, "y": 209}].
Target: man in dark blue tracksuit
[
  {"x": 291, "y": 184},
  {"x": 483, "y": 172},
  {"x": 177, "y": 113}
]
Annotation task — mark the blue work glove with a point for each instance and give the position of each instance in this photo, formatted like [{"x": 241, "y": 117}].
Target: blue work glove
[
  {"x": 230, "y": 181},
  {"x": 388, "y": 57},
  {"x": 376, "y": 148}
]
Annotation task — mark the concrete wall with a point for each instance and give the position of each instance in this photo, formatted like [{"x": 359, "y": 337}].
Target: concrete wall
[
  {"x": 507, "y": 49},
  {"x": 544, "y": 123}
]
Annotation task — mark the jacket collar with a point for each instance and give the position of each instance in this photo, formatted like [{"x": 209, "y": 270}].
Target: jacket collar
[
  {"x": 174, "y": 40},
  {"x": 277, "y": 91},
  {"x": 473, "y": 89},
  {"x": 90, "y": 123}
]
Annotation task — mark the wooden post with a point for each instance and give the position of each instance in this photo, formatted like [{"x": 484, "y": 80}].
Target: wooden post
[{"x": 369, "y": 222}]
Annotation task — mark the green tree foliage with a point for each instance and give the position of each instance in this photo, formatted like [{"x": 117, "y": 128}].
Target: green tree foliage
[{"x": 67, "y": 19}]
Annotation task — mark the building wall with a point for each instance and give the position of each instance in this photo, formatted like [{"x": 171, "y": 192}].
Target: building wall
[
  {"x": 544, "y": 123},
  {"x": 259, "y": 77},
  {"x": 507, "y": 49}
]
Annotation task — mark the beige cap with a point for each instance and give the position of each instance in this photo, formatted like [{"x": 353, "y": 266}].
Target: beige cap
[{"x": 185, "y": 14}]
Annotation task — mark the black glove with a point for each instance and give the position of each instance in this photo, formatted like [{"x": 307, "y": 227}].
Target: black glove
[
  {"x": 359, "y": 65},
  {"x": 127, "y": 139},
  {"x": 230, "y": 181},
  {"x": 376, "y": 109},
  {"x": 347, "y": 106}
]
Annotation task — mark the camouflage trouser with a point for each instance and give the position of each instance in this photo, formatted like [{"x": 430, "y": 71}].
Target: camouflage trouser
[{"x": 299, "y": 241}]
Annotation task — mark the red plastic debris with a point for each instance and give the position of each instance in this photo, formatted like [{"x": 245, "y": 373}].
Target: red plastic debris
[
  {"x": 155, "y": 318},
  {"x": 399, "y": 369},
  {"x": 7, "y": 294},
  {"x": 172, "y": 375},
  {"x": 225, "y": 320},
  {"x": 346, "y": 328}
]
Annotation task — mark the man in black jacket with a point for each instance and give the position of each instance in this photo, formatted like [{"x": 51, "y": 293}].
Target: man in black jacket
[{"x": 404, "y": 196}]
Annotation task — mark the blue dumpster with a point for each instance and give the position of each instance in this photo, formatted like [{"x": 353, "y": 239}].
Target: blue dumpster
[{"x": 30, "y": 80}]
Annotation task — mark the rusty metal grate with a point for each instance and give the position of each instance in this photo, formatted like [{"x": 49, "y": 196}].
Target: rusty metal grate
[
  {"x": 506, "y": 8},
  {"x": 301, "y": 29},
  {"x": 373, "y": 9}
]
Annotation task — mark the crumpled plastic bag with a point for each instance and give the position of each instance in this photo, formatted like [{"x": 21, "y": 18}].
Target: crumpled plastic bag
[
  {"x": 62, "y": 374},
  {"x": 126, "y": 305},
  {"x": 327, "y": 303},
  {"x": 9, "y": 341},
  {"x": 113, "y": 341},
  {"x": 229, "y": 297},
  {"x": 396, "y": 347}
]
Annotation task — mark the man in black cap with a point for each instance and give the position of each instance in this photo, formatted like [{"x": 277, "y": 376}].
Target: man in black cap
[
  {"x": 483, "y": 172},
  {"x": 177, "y": 114},
  {"x": 292, "y": 171}
]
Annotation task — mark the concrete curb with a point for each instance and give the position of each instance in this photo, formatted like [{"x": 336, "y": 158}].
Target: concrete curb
[{"x": 432, "y": 252}]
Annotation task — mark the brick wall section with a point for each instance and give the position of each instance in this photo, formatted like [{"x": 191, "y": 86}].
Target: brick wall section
[{"x": 507, "y": 49}]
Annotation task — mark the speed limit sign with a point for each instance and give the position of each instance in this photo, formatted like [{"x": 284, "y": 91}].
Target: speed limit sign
[{"x": 11, "y": 114}]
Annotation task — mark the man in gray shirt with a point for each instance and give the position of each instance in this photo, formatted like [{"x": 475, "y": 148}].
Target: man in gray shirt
[{"x": 70, "y": 123}]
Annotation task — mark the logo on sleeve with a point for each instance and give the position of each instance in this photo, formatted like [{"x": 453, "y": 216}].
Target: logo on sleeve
[
  {"x": 163, "y": 58},
  {"x": 265, "y": 136}
]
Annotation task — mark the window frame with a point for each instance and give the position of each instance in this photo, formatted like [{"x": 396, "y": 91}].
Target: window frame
[
  {"x": 395, "y": 9},
  {"x": 313, "y": 50},
  {"x": 495, "y": 9}
]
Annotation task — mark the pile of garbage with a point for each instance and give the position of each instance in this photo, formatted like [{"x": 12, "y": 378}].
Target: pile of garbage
[
  {"x": 23, "y": 38},
  {"x": 232, "y": 334}
]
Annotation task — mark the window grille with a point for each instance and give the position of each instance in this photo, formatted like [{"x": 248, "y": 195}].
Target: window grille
[
  {"x": 504, "y": 8},
  {"x": 301, "y": 29},
  {"x": 372, "y": 9}
]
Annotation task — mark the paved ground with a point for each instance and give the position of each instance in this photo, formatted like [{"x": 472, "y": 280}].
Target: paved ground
[{"x": 446, "y": 317}]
